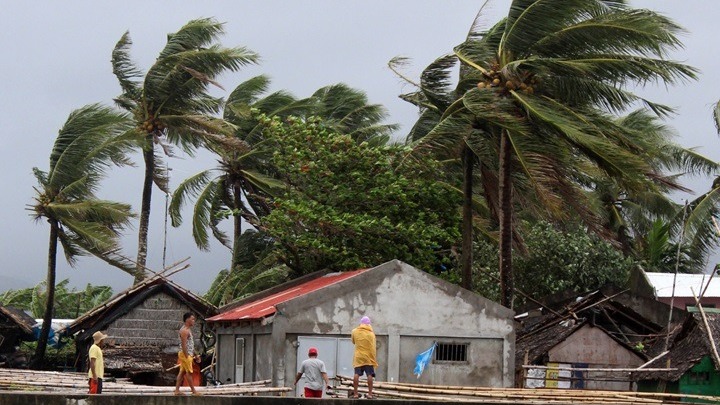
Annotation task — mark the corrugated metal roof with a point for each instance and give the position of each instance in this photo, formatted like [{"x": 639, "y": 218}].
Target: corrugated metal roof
[
  {"x": 266, "y": 306},
  {"x": 663, "y": 284}
]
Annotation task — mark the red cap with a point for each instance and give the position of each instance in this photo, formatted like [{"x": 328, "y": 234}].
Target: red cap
[{"x": 312, "y": 352}]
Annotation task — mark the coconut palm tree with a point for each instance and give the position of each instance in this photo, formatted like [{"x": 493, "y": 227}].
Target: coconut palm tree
[
  {"x": 631, "y": 214},
  {"x": 238, "y": 186},
  {"x": 554, "y": 73},
  {"x": 170, "y": 104},
  {"x": 90, "y": 141},
  {"x": 348, "y": 111},
  {"x": 241, "y": 184}
]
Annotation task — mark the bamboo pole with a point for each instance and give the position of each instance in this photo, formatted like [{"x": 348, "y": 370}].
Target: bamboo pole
[
  {"x": 653, "y": 359},
  {"x": 707, "y": 329},
  {"x": 620, "y": 370}
]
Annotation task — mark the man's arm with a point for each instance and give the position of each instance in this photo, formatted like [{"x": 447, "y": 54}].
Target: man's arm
[
  {"x": 92, "y": 368},
  {"x": 297, "y": 377},
  {"x": 327, "y": 380}
]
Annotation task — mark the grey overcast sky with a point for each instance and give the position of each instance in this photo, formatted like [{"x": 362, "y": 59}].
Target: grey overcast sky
[{"x": 56, "y": 58}]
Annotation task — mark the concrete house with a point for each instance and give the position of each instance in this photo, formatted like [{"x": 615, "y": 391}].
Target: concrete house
[
  {"x": 267, "y": 335},
  {"x": 142, "y": 323}
]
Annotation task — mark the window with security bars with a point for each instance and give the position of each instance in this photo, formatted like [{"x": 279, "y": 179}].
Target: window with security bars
[{"x": 451, "y": 352}]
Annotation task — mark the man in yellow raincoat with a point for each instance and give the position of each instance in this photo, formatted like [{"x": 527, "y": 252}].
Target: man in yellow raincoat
[{"x": 365, "y": 357}]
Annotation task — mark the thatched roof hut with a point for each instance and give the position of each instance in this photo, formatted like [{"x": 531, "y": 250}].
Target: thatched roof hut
[
  {"x": 142, "y": 323},
  {"x": 15, "y": 326},
  {"x": 689, "y": 345}
]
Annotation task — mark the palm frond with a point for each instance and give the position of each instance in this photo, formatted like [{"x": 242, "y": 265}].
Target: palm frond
[
  {"x": 126, "y": 72},
  {"x": 202, "y": 214},
  {"x": 268, "y": 185},
  {"x": 187, "y": 189},
  {"x": 84, "y": 144}
]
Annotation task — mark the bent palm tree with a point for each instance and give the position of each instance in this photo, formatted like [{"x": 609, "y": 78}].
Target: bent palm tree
[
  {"x": 553, "y": 74},
  {"x": 87, "y": 144},
  {"x": 170, "y": 103},
  {"x": 240, "y": 185},
  {"x": 242, "y": 174}
]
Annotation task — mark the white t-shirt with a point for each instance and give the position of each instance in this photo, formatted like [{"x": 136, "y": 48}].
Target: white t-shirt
[{"x": 312, "y": 370}]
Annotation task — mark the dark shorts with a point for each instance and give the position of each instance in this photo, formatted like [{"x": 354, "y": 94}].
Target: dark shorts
[
  {"x": 310, "y": 393},
  {"x": 95, "y": 388},
  {"x": 368, "y": 370}
]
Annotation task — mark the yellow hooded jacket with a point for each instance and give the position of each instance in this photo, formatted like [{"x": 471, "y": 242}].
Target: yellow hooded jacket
[{"x": 363, "y": 338}]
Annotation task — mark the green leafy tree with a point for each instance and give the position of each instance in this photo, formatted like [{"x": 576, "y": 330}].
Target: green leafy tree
[
  {"x": 553, "y": 75},
  {"x": 89, "y": 142},
  {"x": 353, "y": 205},
  {"x": 241, "y": 185},
  {"x": 558, "y": 260},
  {"x": 69, "y": 303},
  {"x": 171, "y": 104}
]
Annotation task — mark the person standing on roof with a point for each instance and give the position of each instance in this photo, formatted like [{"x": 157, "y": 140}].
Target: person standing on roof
[
  {"x": 186, "y": 355},
  {"x": 365, "y": 357},
  {"x": 96, "y": 370},
  {"x": 315, "y": 372}
]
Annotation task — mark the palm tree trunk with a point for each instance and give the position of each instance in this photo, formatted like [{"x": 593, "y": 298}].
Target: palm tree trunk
[
  {"x": 50, "y": 302},
  {"x": 506, "y": 220},
  {"x": 149, "y": 157},
  {"x": 467, "y": 217},
  {"x": 237, "y": 229}
]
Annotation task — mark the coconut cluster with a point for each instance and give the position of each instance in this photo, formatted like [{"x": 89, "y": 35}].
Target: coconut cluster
[
  {"x": 153, "y": 125},
  {"x": 494, "y": 79}
]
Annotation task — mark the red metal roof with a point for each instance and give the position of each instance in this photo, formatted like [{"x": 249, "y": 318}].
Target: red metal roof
[{"x": 266, "y": 306}]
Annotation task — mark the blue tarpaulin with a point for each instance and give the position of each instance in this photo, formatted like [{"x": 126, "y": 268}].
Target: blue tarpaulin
[{"x": 423, "y": 359}]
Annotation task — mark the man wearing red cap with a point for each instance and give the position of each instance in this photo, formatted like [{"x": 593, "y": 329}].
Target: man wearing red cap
[{"x": 314, "y": 371}]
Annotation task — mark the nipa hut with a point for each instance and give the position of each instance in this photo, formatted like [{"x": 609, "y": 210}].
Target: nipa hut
[
  {"x": 597, "y": 331},
  {"x": 692, "y": 358},
  {"x": 142, "y": 323},
  {"x": 15, "y": 326}
]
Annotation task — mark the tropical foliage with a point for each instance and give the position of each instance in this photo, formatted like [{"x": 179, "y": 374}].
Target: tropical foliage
[
  {"x": 346, "y": 201},
  {"x": 550, "y": 78},
  {"x": 170, "y": 104},
  {"x": 558, "y": 260},
  {"x": 69, "y": 302}
]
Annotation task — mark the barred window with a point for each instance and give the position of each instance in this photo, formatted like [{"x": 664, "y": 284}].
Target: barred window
[{"x": 451, "y": 352}]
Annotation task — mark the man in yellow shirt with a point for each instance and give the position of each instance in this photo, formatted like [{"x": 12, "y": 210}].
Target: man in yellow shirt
[
  {"x": 96, "y": 371},
  {"x": 365, "y": 357}
]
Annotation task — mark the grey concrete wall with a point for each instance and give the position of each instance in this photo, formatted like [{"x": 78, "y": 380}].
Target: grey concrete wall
[{"x": 484, "y": 366}]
